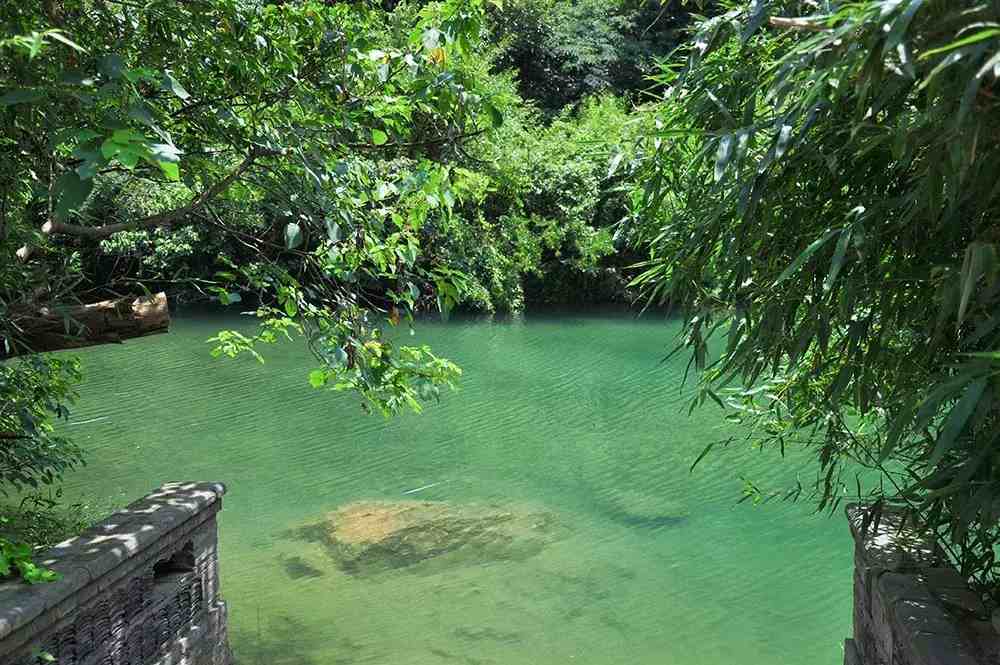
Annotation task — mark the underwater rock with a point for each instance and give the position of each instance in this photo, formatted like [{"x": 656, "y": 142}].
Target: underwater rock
[
  {"x": 371, "y": 536},
  {"x": 642, "y": 508}
]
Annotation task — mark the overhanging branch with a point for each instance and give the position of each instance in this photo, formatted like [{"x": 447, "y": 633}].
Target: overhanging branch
[
  {"x": 105, "y": 322},
  {"x": 53, "y": 227}
]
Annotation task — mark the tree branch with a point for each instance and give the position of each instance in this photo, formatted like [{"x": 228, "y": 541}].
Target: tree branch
[
  {"x": 105, "y": 322},
  {"x": 53, "y": 227}
]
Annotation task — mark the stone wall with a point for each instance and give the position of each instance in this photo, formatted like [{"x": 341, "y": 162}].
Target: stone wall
[
  {"x": 140, "y": 588},
  {"x": 911, "y": 607}
]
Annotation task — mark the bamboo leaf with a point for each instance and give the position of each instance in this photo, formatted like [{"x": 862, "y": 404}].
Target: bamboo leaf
[
  {"x": 982, "y": 35},
  {"x": 837, "y": 263},
  {"x": 980, "y": 260},
  {"x": 702, "y": 455},
  {"x": 724, "y": 155},
  {"x": 805, "y": 255},
  {"x": 957, "y": 418},
  {"x": 900, "y": 26}
]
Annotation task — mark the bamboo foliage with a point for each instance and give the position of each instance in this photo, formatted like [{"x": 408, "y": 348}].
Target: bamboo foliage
[{"x": 822, "y": 196}]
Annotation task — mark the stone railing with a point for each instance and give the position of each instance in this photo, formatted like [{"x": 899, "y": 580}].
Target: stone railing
[
  {"x": 140, "y": 588},
  {"x": 911, "y": 607}
]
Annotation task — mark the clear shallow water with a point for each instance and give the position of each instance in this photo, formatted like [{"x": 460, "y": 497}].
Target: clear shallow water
[{"x": 556, "y": 411}]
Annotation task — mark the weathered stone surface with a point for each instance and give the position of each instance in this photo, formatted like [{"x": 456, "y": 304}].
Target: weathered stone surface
[
  {"x": 851, "y": 656},
  {"x": 141, "y": 588},
  {"x": 372, "y": 536},
  {"x": 890, "y": 542},
  {"x": 910, "y": 607}
]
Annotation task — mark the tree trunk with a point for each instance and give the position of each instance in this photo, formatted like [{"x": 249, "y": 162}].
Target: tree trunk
[{"x": 105, "y": 322}]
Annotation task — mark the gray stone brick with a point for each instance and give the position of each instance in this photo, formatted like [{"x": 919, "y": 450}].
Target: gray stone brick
[{"x": 128, "y": 589}]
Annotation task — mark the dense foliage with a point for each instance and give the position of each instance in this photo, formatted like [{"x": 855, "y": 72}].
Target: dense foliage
[
  {"x": 563, "y": 51},
  {"x": 822, "y": 195},
  {"x": 334, "y": 167}
]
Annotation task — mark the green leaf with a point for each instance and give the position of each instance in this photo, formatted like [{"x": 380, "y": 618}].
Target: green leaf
[
  {"x": 293, "y": 235},
  {"x": 965, "y": 41},
  {"x": 702, "y": 455},
  {"x": 317, "y": 378},
  {"x": 59, "y": 37},
  {"x": 989, "y": 355},
  {"x": 379, "y": 137},
  {"x": 615, "y": 162},
  {"x": 980, "y": 260},
  {"x": 173, "y": 85},
  {"x": 129, "y": 158},
  {"x": 43, "y": 656},
  {"x": 92, "y": 163},
  {"x": 723, "y": 156},
  {"x": 170, "y": 170},
  {"x": 957, "y": 418},
  {"x": 900, "y": 26},
  {"x": 164, "y": 152},
  {"x": 71, "y": 191},
  {"x": 110, "y": 148},
  {"x": 804, "y": 256},
  {"x": 409, "y": 254},
  {"x": 839, "y": 254},
  {"x": 496, "y": 117},
  {"x": 333, "y": 230}
]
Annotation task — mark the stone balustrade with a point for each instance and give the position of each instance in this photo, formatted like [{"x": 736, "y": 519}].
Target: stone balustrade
[
  {"x": 911, "y": 607},
  {"x": 140, "y": 588}
]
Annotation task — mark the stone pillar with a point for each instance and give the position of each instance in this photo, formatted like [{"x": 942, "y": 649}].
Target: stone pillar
[
  {"x": 911, "y": 607},
  {"x": 140, "y": 588}
]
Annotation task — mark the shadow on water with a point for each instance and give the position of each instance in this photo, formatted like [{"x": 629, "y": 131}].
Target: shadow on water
[{"x": 297, "y": 568}]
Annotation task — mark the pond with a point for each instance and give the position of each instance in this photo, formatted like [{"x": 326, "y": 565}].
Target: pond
[{"x": 574, "y": 416}]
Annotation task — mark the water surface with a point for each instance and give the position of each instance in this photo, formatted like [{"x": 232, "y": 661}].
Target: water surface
[{"x": 560, "y": 412}]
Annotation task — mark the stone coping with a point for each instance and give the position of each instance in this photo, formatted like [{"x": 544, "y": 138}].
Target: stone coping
[
  {"x": 85, "y": 559},
  {"x": 892, "y": 543},
  {"x": 918, "y": 609}
]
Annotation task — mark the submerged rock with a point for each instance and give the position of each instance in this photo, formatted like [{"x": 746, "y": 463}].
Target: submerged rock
[
  {"x": 642, "y": 508},
  {"x": 370, "y": 536}
]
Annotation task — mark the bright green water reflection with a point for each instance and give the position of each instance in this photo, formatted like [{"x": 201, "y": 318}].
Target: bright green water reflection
[{"x": 561, "y": 412}]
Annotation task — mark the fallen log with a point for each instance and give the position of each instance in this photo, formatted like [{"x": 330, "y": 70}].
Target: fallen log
[{"x": 105, "y": 322}]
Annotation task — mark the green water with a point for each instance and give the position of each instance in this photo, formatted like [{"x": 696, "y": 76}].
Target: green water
[{"x": 557, "y": 411}]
